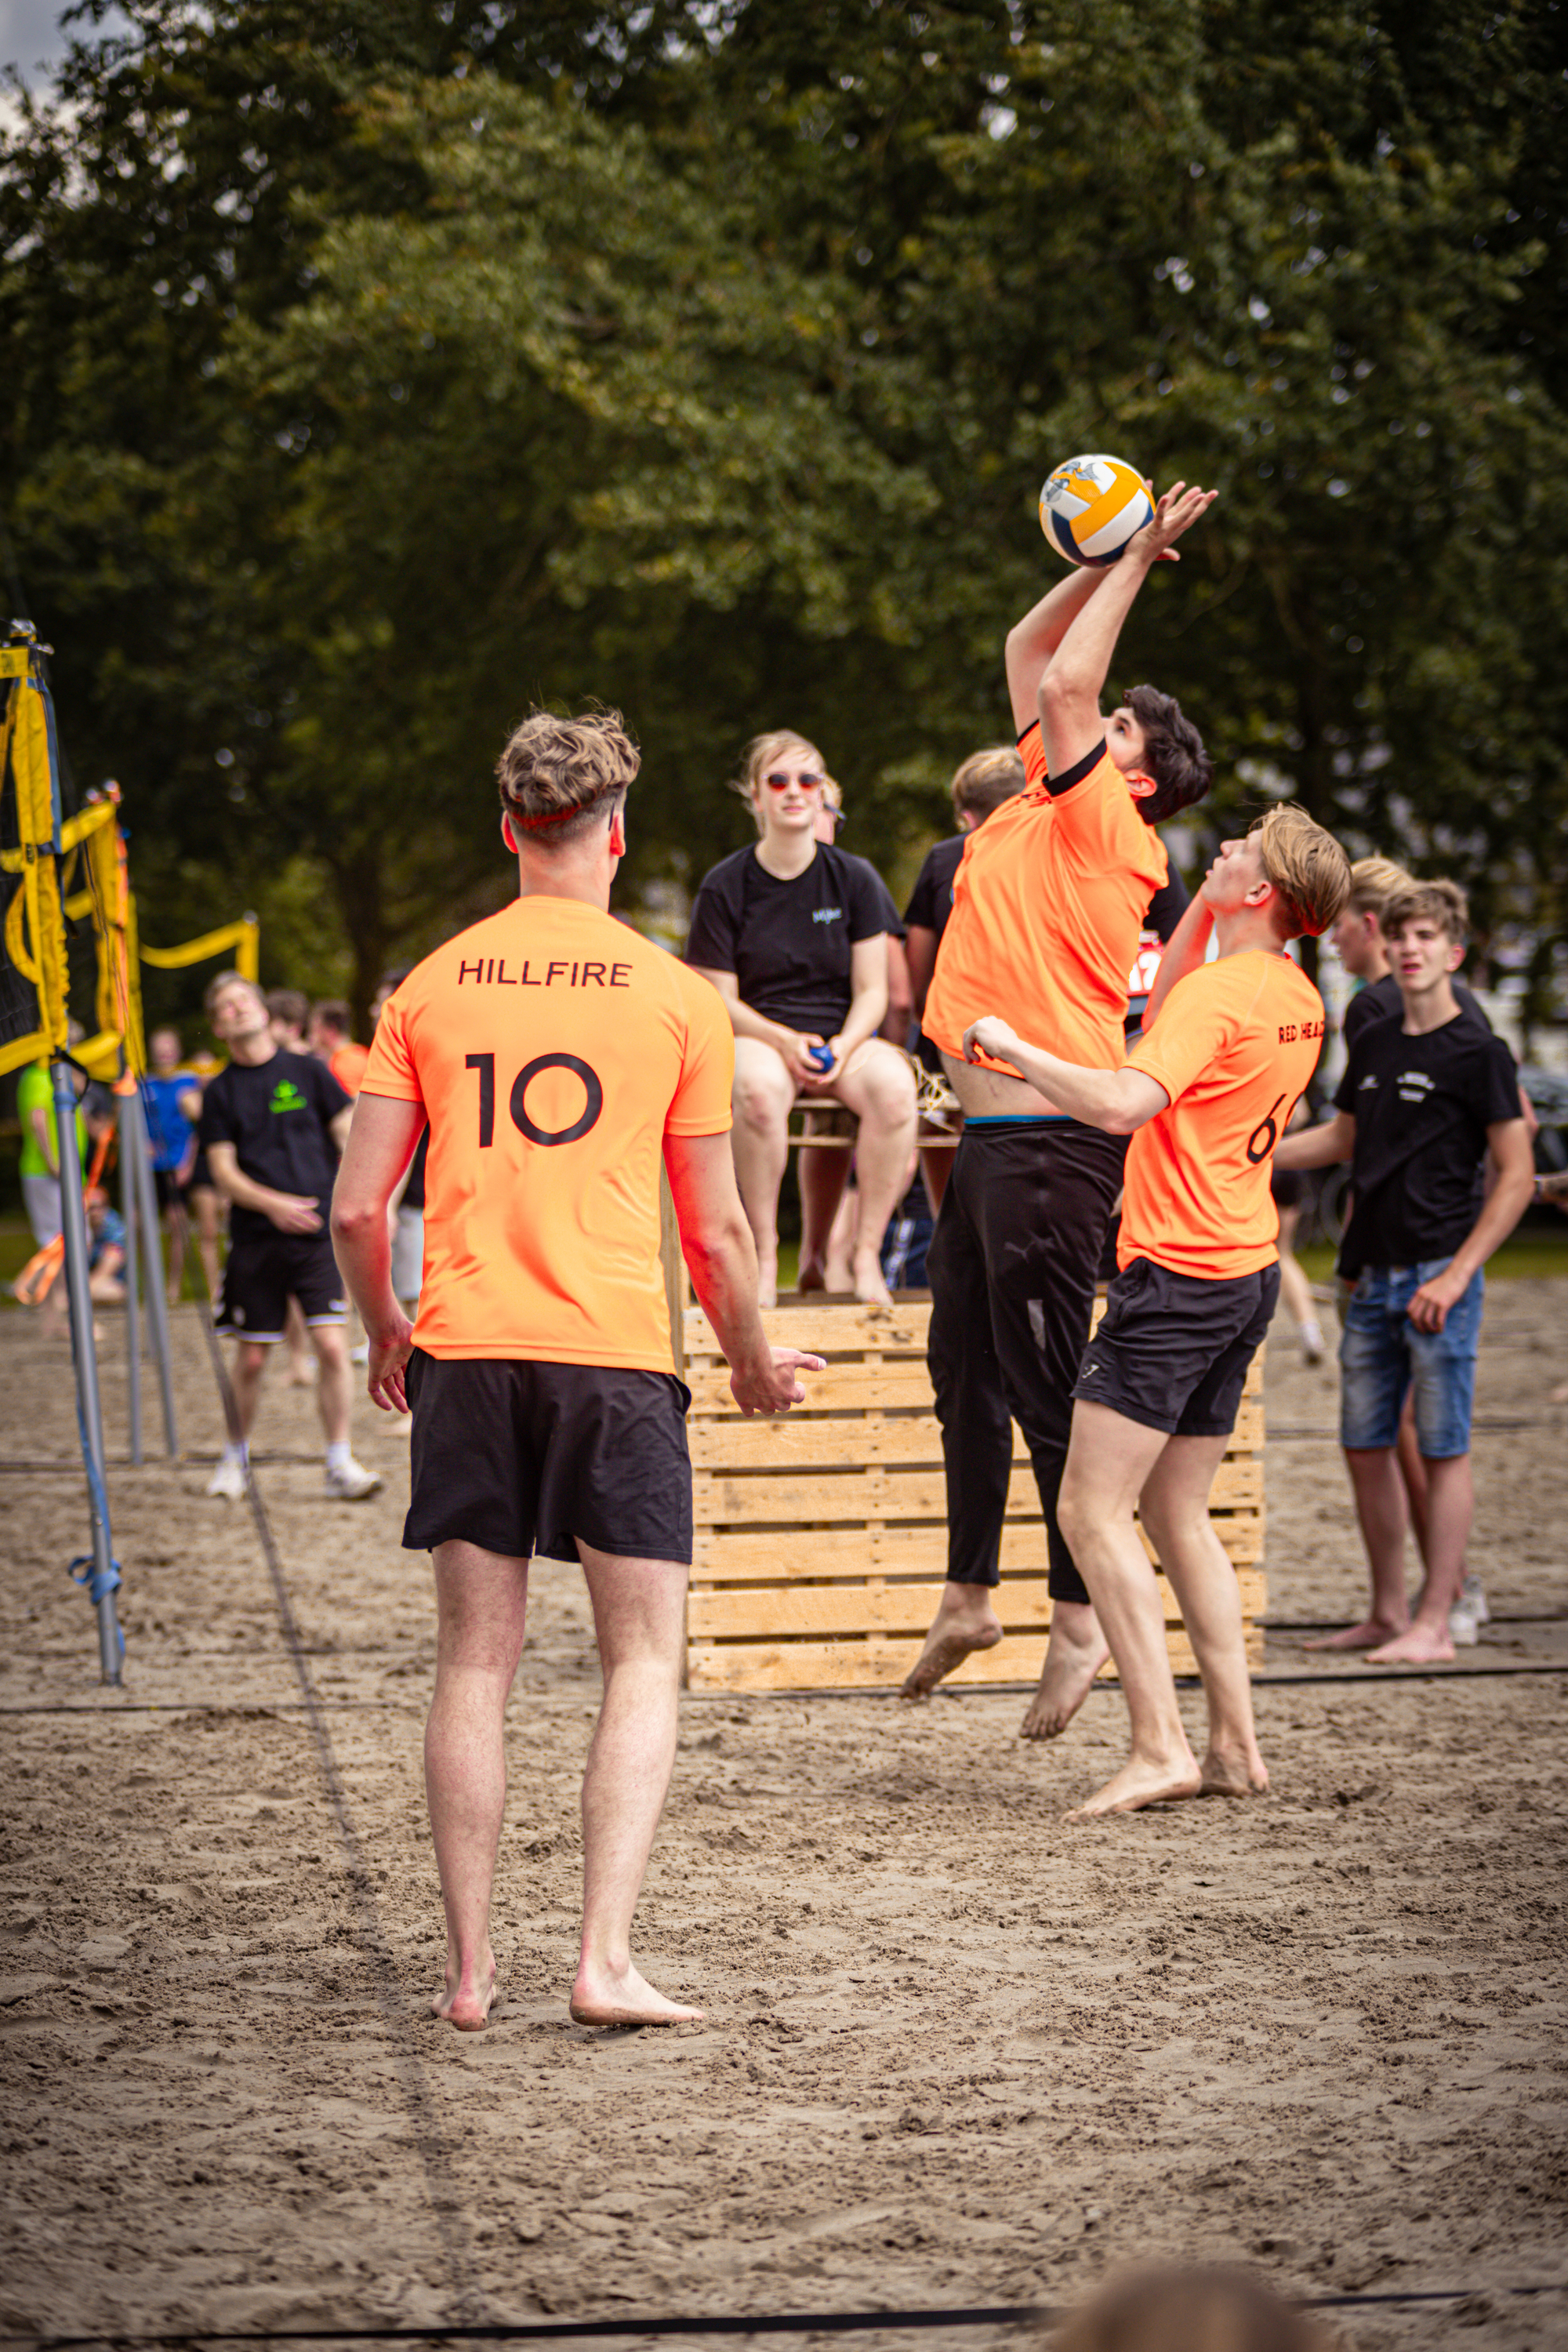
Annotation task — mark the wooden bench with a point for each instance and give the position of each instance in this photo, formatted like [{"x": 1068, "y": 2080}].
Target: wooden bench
[{"x": 821, "y": 1537}]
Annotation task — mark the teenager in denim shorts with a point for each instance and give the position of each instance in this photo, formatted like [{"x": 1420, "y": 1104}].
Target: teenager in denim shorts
[{"x": 1423, "y": 1100}]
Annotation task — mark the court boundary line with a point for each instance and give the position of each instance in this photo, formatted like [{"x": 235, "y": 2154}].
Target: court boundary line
[{"x": 796, "y": 2322}]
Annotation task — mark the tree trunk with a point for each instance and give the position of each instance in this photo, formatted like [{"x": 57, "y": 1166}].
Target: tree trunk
[{"x": 358, "y": 885}]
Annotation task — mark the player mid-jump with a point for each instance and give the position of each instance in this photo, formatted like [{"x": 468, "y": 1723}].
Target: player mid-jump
[
  {"x": 1048, "y": 905},
  {"x": 559, "y": 1058}
]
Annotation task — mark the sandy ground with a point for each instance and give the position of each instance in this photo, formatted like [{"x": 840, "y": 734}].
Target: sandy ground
[{"x": 960, "y": 2052}]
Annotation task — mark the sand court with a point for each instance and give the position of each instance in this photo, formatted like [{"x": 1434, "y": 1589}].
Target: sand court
[{"x": 959, "y": 2051}]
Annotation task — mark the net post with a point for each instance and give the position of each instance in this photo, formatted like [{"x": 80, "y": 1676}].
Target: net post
[
  {"x": 129, "y": 1204},
  {"x": 84, "y": 1353}
]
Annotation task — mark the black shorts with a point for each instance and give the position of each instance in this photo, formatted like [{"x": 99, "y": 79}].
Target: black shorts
[
  {"x": 265, "y": 1271},
  {"x": 520, "y": 1457},
  {"x": 1286, "y": 1187},
  {"x": 166, "y": 1184},
  {"x": 1172, "y": 1350}
]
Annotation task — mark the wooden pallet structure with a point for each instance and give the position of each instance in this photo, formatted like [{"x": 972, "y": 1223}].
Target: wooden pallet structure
[{"x": 821, "y": 1537}]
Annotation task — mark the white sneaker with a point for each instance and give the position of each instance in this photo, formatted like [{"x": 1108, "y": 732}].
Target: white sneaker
[
  {"x": 1311, "y": 1336},
  {"x": 360, "y": 1355},
  {"x": 353, "y": 1483},
  {"x": 1469, "y": 1614},
  {"x": 228, "y": 1481},
  {"x": 1472, "y": 1598}
]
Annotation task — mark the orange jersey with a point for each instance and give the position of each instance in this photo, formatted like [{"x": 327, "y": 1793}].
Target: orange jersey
[
  {"x": 1048, "y": 905},
  {"x": 348, "y": 1066},
  {"x": 553, "y": 1049},
  {"x": 1234, "y": 1047}
]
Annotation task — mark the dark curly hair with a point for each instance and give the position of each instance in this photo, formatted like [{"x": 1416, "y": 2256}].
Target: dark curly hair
[{"x": 1173, "y": 754}]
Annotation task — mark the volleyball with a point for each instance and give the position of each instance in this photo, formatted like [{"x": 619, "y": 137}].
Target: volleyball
[{"x": 1091, "y": 508}]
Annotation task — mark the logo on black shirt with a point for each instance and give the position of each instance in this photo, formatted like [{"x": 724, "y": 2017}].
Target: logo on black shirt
[
  {"x": 827, "y": 915},
  {"x": 286, "y": 1095}
]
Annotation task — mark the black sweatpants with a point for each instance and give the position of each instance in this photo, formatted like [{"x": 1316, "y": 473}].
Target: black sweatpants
[{"x": 1012, "y": 1268}]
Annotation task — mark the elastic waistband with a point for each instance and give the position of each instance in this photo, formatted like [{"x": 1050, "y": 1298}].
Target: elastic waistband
[{"x": 1024, "y": 1118}]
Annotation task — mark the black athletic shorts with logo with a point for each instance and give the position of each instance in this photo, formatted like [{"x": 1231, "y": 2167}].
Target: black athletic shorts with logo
[
  {"x": 1172, "y": 1350},
  {"x": 520, "y": 1457},
  {"x": 265, "y": 1271}
]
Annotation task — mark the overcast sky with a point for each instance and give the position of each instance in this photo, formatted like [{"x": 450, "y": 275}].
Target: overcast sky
[{"x": 31, "y": 36}]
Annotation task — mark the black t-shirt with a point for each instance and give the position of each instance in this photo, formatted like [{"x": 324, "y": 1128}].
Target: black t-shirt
[
  {"x": 930, "y": 901},
  {"x": 1381, "y": 997},
  {"x": 788, "y": 943},
  {"x": 277, "y": 1115},
  {"x": 1422, "y": 1107}
]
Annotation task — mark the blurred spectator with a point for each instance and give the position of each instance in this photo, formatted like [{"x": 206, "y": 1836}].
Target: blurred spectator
[
  {"x": 172, "y": 1100},
  {"x": 330, "y": 1039},
  {"x": 793, "y": 936},
  {"x": 1173, "y": 2310},
  {"x": 408, "y": 1199},
  {"x": 105, "y": 1249},
  {"x": 288, "y": 1017},
  {"x": 39, "y": 1167}
]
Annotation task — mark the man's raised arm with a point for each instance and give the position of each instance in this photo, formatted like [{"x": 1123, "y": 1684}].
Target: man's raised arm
[
  {"x": 1070, "y": 691},
  {"x": 1031, "y": 641}
]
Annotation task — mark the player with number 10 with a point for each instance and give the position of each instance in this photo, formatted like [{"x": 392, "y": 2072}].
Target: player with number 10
[{"x": 560, "y": 1059}]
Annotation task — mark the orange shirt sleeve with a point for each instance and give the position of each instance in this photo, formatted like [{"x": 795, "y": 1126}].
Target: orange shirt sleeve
[
  {"x": 700, "y": 1104},
  {"x": 1201, "y": 1015},
  {"x": 390, "y": 1069},
  {"x": 1032, "y": 751}
]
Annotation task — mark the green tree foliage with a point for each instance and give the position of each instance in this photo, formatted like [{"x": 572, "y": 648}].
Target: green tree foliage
[{"x": 372, "y": 370}]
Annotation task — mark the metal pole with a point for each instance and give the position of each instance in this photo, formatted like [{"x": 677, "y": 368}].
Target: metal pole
[
  {"x": 73, "y": 1219},
  {"x": 129, "y": 1206},
  {"x": 152, "y": 1257}
]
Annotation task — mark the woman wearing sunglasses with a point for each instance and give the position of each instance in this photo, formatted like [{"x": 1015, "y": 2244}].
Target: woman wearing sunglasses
[{"x": 793, "y": 935}]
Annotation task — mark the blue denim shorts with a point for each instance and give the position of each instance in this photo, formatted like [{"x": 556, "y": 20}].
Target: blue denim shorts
[{"x": 1382, "y": 1354}]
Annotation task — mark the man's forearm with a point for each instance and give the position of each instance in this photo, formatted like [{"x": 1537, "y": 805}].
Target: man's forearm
[
  {"x": 361, "y": 1244},
  {"x": 1031, "y": 641},
  {"x": 1081, "y": 663},
  {"x": 1096, "y": 1096},
  {"x": 243, "y": 1192},
  {"x": 723, "y": 1269},
  {"x": 1312, "y": 1147},
  {"x": 1183, "y": 952},
  {"x": 1508, "y": 1198}
]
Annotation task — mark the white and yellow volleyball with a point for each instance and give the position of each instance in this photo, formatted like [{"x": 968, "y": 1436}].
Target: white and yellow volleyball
[{"x": 1092, "y": 507}]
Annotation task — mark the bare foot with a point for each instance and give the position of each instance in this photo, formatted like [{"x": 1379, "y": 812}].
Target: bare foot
[
  {"x": 622, "y": 1997},
  {"x": 467, "y": 2006},
  {"x": 871, "y": 1288},
  {"x": 964, "y": 1622},
  {"x": 767, "y": 1284},
  {"x": 1365, "y": 1636},
  {"x": 1421, "y": 1645},
  {"x": 1234, "y": 1775},
  {"x": 1067, "y": 1678},
  {"x": 1139, "y": 1784},
  {"x": 811, "y": 1276}
]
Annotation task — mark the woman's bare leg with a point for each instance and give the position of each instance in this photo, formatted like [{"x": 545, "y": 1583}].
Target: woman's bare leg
[
  {"x": 763, "y": 1093},
  {"x": 878, "y": 1086}
]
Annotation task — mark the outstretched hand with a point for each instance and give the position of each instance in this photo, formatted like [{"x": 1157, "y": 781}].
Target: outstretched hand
[
  {"x": 772, "y": 1386},
  {"x": 1175, "y": 513}
]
